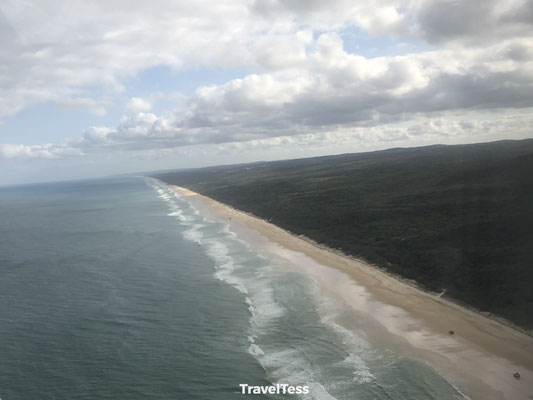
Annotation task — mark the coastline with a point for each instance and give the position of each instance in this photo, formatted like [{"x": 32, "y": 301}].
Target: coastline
[{"x": 479, "y": 359}]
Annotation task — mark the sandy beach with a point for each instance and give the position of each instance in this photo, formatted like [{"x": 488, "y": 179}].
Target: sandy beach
[{"x": 479, "y": 359}]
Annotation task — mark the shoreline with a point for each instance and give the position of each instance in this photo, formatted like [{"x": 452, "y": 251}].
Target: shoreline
[{"x": 479, "y": 359}]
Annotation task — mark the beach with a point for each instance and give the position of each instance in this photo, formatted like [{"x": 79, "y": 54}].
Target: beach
[{"x": 479, "y": 359}]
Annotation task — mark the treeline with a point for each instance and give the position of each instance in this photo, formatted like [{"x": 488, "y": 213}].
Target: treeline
[{"x": 453, "y": 218}]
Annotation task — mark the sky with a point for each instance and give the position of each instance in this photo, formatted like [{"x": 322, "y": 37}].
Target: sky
[{"x": 95, "y": 88}]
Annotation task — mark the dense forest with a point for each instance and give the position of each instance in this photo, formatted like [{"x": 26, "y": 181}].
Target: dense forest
[{"x": 457, "y": 218}]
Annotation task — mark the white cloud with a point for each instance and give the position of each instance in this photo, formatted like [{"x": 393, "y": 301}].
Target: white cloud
[
  {"x": 52, "y": 50},
  {"x": 136, "y": 104},
  {"x": 50, "y": 151},
  {"x": 303, "y": 82},
  {"x": 147, "y": 137}
]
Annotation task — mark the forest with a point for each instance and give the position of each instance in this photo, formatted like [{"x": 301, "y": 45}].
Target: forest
[{"x": 455, "y": 219}]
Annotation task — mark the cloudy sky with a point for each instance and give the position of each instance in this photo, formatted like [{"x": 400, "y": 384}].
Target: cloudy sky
[{"x": 91, "y": 88}]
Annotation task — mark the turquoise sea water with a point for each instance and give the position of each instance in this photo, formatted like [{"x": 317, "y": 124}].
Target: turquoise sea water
[{"x": 121, "y": 289}]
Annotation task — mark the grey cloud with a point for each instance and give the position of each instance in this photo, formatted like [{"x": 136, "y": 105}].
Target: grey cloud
[
  {"x": 374, "y": 93},
  {"x": 522, "y": 14},
  {"x": 474, "y": 22},
  {"x": 335, "y": 96},
  {"x": 272, "y": 7},
  {"x": 458, "y": 92},
  {"x": 519, "y": 52},
  {"x": 448, "y": 19}
]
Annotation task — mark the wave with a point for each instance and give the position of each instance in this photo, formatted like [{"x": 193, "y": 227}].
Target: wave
[
  {"x": 193, "y": 234},
  {"x": 291, "y": 367},
  {"x": 241, "y": 266},
  {"x": 178, "y": 207},
  {"x": 264, "y": 279},
  {"x": 225, "y": 267},
  {"x": 254, "y": 281}
]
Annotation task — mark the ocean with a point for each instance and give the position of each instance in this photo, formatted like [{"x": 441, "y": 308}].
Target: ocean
[{"x": 121, "y": 289}]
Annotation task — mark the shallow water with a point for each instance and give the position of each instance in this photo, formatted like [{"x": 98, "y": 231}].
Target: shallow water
[{"x": 120, "y": 288}]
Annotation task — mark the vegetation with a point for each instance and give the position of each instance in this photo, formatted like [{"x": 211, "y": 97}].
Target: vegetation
[{"x": 453, "y": 218}]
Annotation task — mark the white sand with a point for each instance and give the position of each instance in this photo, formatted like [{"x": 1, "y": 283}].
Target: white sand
[{"x": 479, "y": 359}]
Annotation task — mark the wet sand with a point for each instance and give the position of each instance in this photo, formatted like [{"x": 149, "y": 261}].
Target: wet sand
[{"x": 479, "y": 359}]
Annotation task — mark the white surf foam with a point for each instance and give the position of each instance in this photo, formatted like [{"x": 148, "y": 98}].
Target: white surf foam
[
  {"x": 225, "y": 265},
  {"x": 267, "y": 309},
  {"x": 173, "y": 199},
  {"x": 292, "y": 367},
  {"x": 255, "y": 350},
  {"x": 193, "y": 234}
]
